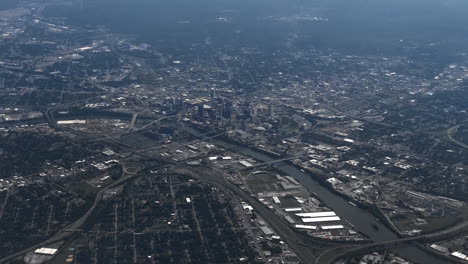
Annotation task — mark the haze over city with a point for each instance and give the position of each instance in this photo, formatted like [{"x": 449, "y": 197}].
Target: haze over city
[{"x": 233, "y": 131}]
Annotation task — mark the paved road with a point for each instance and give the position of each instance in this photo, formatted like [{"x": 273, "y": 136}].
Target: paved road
[
  {"x": 450, "y": 132},
  {"x": 307, "y": 248},
  {"x": 72, "y": 228},
  {"x": 273, "y": 162},
  {"x": 436, "y": 236},
  {"x": 132, "y": 123}
]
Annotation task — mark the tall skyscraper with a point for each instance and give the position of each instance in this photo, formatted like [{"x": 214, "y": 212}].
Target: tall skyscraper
[
  {"x": 200, "y": 110},
  {"x": 270, "y": 110}
]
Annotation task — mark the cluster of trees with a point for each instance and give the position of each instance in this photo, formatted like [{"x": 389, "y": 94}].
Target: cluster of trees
[
  {"x": 24, "y": 153},
  {"x": 462, "y": 133},
  {"x": 318, "y": 138},
  {"x": 216, "y": 241},
  {"x": 34, "y": 213}
]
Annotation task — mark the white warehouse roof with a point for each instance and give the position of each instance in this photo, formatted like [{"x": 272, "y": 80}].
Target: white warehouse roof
[
  {"x": 321, "y": 219},
  {"x": 330, "y": 227},
  {"x": 295, "y": 209},
  {"x": 276, "y": 200},
  {"x": 245, "y": 163},
  {"x": 316, "y": 214},
  {"x": 45, "y": 251},
  {"x": 306, "y": 227}
]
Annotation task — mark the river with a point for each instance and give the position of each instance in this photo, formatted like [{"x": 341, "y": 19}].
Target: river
[{"x": 360, "y": 218}]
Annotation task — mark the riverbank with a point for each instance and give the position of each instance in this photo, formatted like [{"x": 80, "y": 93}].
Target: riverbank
[{"x": 362, "y": 219}]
